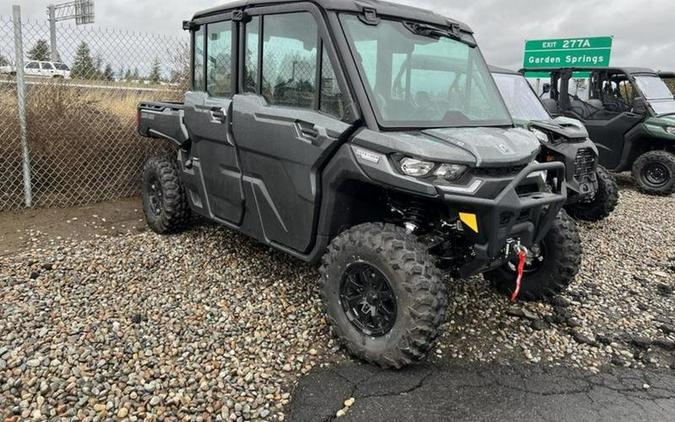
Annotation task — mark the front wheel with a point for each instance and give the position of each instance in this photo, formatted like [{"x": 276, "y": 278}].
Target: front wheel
[
  {"x": 602, "y": 204},
  {"x": 383, "y": 295},
  {"x": 548, "y": 272},
  {"x": 654, "y": 172}
]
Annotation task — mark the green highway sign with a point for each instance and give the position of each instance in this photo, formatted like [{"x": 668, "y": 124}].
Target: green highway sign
[{"x": 568, "y": 52}]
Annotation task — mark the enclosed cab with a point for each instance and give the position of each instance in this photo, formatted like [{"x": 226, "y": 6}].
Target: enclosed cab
[{"x": 309, "y": 127}]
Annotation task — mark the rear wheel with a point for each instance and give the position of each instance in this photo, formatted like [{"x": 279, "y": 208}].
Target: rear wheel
[
  {"x": 604, "y": 202},
  {"x": 164, "y": 201},
  {"x": 383, "y": 295},
  {"x": 550, "y": 270},
  {"x": 654, "y": 172}
]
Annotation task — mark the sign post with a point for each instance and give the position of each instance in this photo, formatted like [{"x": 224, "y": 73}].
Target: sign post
[{"x": 568, "y": 52}]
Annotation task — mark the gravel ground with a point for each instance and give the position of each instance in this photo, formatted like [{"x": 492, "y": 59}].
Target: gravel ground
[{"x": 209, "y": 324}]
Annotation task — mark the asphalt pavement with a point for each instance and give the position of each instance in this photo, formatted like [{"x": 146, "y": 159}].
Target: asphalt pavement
[{"x": 429, "y": 392}]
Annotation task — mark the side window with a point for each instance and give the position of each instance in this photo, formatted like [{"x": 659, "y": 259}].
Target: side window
[
  {"x": 33, "y": 65},
  {"x": 219, "y": 60},
  {"x": 47, "y": 66},
  {"x": 252, "y": 55},
  {"x": 198, "y": 65},
  {"x": 331, "y": 95},
  {"x": 290, "y": 59}
]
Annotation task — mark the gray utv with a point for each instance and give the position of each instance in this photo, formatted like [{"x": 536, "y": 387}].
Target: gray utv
[
  {"x": 592, "y": 193},
  {"x": 299, "y": 132}
]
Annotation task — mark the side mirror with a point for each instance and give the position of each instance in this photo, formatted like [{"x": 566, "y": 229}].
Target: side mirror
[
  {"x": 639, "y": 105},
  {"x": 546, "y": 88}
]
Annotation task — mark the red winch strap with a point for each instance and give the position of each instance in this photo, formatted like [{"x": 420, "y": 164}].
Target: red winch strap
[{"x": 522, "y": 256}]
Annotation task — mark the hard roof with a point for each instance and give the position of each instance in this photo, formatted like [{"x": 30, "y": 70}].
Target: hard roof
[{"x": 382, "y": 8}]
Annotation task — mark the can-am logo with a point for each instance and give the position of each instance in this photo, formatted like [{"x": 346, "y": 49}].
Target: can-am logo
[{"x": 503, "y": 148}]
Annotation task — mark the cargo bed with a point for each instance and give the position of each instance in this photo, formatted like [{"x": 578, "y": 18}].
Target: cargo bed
[{"x": 162, "y": 120}]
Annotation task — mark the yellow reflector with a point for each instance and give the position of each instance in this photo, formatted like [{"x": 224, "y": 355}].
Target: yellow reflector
[{"x": 470, "y": 220}]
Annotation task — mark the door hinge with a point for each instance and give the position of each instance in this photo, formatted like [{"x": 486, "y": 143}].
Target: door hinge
[{"x": 238, "y": 16}]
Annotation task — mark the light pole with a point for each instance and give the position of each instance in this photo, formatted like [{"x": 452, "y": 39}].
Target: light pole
[{"x": 80, "y": 10}]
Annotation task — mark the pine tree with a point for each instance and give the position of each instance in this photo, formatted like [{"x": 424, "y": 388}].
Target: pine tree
[
  {"x": 40, "y": 51},
  {"x": 127, "y": 75},
  {"x": 155, "y": 72},
  {"x": 136, "y": 75},
  {"x": 83, "y": 65},
  {"x": 108, "y": 73}
]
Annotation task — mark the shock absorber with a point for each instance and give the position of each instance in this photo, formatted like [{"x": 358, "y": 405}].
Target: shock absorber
[{"x": 411, "y": 212}]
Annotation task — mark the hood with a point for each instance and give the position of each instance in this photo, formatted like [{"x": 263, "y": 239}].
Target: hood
[
  {"x": 563, "y": 126},
  {"x": 476, "y": 147},
  {"x": 491, "y": 147}
]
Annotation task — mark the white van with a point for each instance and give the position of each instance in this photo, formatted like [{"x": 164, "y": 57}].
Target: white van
[{"x": 47, "y": 69}]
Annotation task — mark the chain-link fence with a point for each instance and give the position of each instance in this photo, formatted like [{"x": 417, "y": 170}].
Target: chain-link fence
[{"x": 79, "y": 144}]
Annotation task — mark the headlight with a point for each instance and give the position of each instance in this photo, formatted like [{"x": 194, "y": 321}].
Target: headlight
[
  {"x": 541, "y": 135},
  {"x": 450, "y": 172},
  {"x": 671, "y": 130},
  {"x": 420, "y": 168},
  {"x": 416, "y": 168}
]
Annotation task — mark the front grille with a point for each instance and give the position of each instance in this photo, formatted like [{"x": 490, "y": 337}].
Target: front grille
[
  {"x": 498, "y": 171},
  {"x": 584, "y": 164}
]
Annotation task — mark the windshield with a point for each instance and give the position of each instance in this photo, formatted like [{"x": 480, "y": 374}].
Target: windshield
[
  {"x": 520, "y": 99},
  {"x": 653, "y": 88},
  {"x": 421, "y": 80}
]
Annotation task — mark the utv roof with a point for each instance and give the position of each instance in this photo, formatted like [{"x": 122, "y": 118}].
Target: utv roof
[
  {"x": 628, "y": 70},
  {"x": 382, "y": 8}
]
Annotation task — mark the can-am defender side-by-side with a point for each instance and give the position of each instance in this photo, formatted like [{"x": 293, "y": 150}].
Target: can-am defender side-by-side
[
  {"x": 629, "y": 114},
  {"x": 592, "y": 193},
  {"x": 298, "y": 133}
]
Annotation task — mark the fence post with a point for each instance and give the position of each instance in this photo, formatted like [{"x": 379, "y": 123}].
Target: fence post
[{"x": 21, "y": 105}]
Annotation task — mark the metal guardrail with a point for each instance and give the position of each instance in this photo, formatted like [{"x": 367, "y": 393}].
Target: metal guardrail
[{"x": 73, "y": 141}]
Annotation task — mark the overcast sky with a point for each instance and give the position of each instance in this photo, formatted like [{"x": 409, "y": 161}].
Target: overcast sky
[{"x": 642, "y": 29}]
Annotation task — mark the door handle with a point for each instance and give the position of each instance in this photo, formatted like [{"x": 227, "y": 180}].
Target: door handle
[
  {"x": 218, "y": 115},
  {"x": 308, "y": 130}
]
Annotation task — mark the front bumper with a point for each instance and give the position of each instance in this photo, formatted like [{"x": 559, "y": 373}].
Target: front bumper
[
  {"x": 509, "y": 216},
  {"x": 581, "y": 162}
]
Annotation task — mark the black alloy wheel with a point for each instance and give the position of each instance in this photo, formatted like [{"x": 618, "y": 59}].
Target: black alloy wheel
[{"x": 368, "y": 300}]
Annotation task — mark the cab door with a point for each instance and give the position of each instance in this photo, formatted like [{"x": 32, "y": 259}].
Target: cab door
[
  {"x": 216, "y": 183},
  {"x": 288, "y": 120}
]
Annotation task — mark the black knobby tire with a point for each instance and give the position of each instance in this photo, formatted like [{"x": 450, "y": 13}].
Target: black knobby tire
[
  {"x": 561, "y": 249},
  {"x": 412, "y": 275},
  {"x": 171, "y": 212},
  {"x": 659, "y": 163},
  {"x": 604, "y": 202}
]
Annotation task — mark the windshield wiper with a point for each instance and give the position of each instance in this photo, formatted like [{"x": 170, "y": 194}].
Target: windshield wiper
[{"x": 432, "y": 31}]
